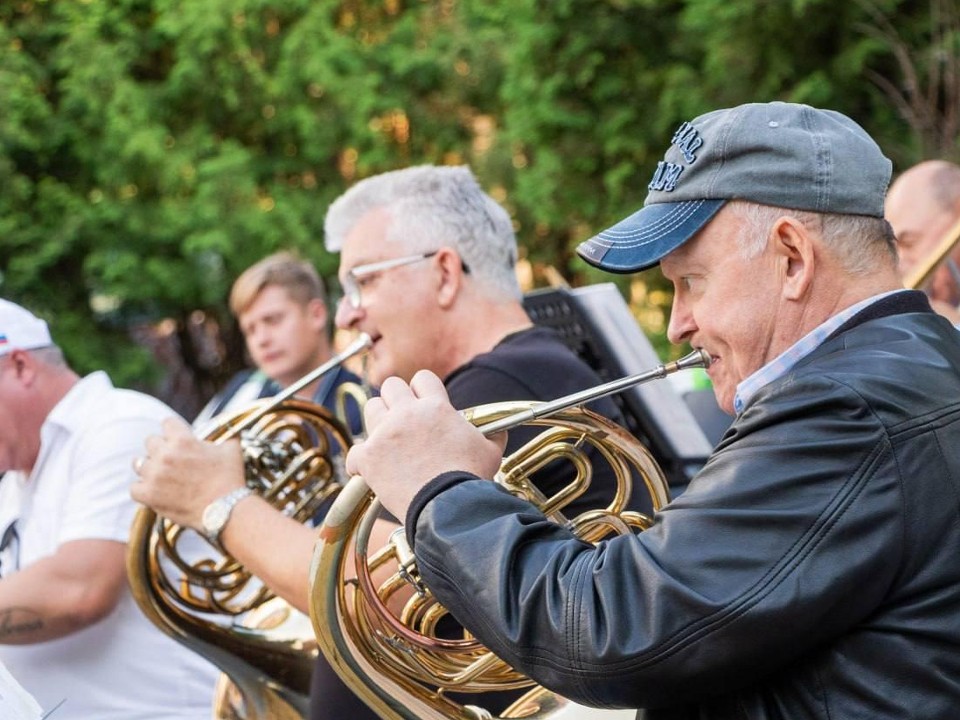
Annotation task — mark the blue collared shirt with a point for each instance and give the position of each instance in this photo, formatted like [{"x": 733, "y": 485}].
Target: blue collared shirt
[{"x": 781, "y": 365}]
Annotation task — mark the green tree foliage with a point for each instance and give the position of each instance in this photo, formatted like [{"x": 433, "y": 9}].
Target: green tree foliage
[
  {"x": 593, "y": 90},
  {"x": 150, "y": 150}
]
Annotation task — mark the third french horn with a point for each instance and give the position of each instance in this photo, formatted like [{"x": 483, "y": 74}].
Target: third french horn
[
  {"x": 379, "y": 635},
  {"x": 293, "y": 451}
]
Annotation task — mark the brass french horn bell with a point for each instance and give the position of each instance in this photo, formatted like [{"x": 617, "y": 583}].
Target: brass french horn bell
[
  {"x": 393, "y": 658},
  {"x": 293, "y": 451}
]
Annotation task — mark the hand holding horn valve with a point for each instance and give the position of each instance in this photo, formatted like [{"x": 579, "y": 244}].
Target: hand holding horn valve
[{"x": 381, "y": 636}]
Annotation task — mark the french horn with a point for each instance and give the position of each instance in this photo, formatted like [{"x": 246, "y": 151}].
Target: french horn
[
  {"x": 293, "y": 453},
  {"x": 376, "y": 622}
]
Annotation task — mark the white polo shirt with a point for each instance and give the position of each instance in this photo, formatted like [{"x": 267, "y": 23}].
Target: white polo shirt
[{"x": 123, "y": 667}]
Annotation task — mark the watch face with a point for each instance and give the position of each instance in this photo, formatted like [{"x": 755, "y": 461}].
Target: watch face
[{"x": 215, "y": 516}]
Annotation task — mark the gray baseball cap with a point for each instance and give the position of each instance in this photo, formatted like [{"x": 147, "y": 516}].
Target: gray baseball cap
[{"x": 781, "y": 154}]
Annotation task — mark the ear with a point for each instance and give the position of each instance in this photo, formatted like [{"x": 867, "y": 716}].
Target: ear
[
  {"x": 451, "y": 276},
  {"x": 25, "y": 368},
  {"x": 795, "y": 249},
  {"x": 317, "y": 311}
]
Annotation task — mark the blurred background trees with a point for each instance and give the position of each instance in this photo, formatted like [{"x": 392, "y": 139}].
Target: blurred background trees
[{"x": 151, "y": 149}]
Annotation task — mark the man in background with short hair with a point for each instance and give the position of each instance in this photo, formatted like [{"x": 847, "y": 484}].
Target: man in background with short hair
[{"x": 281, "y": 308}]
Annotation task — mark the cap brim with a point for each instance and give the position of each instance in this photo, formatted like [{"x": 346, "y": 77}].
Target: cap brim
[{"x": 644, "y": 238}]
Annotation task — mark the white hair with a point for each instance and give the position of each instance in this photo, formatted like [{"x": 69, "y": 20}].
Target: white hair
[
  {"x": 859, "y": 242},
  {"x": 432, "y": 207},
  {"x": 50, "y": 355}
]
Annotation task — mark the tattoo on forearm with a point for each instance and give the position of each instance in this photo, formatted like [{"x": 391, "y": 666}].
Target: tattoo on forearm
[{"x": 17, "y": 621}]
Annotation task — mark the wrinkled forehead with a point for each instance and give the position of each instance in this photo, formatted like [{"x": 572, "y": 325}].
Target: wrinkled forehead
[{"x": 703, "y": 247}]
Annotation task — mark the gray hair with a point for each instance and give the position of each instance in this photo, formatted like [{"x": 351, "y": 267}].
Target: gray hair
[
  {"x": 50, "y": 355},
  {"x": 432, "y": 207},
  {"x": 859, "y": 242}
]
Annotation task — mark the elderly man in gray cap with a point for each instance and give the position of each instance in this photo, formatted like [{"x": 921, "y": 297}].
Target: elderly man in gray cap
[{"x": 807, "y": 571}]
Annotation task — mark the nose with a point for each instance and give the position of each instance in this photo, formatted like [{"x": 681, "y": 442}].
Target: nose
[
  {"x": 256, "y": 337},
  {"x": 682, "y": 325},
  {"x": 347, "y": 315}
]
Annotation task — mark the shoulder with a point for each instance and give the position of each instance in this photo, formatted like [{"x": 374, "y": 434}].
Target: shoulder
[
  {"x": 346, "y": 376},
  {"x": 242, "y": 388},
  {"x": 249, "y": 382},
  {"x": 95, "y": 402},
  {"x": 506, "y": 371},
  {"x": 533, "y": 350},
  {"x": 904, "y": 365},
  {"x": 882, "y": 380},
  {"x": 533, "y": 364}
]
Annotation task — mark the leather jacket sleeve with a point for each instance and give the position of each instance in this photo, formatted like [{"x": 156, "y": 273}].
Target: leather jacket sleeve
[{"x": 797, "y": 515}]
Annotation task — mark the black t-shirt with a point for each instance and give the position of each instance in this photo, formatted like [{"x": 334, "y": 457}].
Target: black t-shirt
[{"x": 532, "y": 364}]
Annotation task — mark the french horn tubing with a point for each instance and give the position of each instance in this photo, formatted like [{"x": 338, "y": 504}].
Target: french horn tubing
[
  {"x": 380, "y": 635},
  {"x": 293, "y": 452}
]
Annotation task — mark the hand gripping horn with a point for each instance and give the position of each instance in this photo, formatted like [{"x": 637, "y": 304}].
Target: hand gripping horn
[
  {"x": 293, "y": 452},
  {"x": 380, "y": 635}
]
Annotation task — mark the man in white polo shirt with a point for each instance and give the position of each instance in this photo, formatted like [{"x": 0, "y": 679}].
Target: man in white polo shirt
[{"x": 70, "y": 631}]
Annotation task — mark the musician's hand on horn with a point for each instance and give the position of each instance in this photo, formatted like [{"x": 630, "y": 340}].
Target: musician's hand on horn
[
  {"x": 415, "y": 434},
  {"x": 181, "y": 474}
]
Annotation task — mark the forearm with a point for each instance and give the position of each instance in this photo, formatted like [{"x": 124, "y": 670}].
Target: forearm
[
  {"x": 50, "y": 599},
  {"x": 273, "y": 547},
  {"x": 24, "y": 616},
  {"x": 562, "y": 612},
  {"x": 635, "y": 623}
]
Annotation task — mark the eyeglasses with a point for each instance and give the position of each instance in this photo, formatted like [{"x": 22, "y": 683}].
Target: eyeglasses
[{"x": 355, "y": 277}]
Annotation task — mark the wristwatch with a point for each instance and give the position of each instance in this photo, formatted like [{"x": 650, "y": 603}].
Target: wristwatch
[{"x": 216, "y": 514}]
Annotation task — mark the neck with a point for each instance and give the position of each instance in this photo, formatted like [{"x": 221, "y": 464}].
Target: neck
[
  {"x": 322, "y": 356},
  {"x": 480, "y": 329},
  {"x": 844, "y": 294},
  {"x": 52, "y": 387}
]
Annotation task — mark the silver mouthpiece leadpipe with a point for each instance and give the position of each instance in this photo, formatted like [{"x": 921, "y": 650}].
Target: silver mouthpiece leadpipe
[
  {"x": 697, "y": 359},
  {"x": 363, "y": 342}
]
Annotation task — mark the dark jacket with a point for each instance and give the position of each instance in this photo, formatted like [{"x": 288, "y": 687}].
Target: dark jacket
[{"x": 810, "y": 570}]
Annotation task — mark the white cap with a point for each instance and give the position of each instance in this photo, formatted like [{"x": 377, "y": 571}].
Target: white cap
[{"x": 20, "y": 329}]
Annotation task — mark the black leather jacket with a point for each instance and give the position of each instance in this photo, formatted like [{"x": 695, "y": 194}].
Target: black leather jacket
[{"x": 810, "y": 570}]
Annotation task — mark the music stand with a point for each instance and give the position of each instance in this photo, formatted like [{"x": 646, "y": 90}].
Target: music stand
[{"x": 596, "y": 323}]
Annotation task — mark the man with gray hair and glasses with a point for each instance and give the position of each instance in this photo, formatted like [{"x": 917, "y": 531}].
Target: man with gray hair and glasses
[
  {"x": 427, "y": 267},
  {"x": 70, "y": 630},
  {"x": 809, "y": 569}
]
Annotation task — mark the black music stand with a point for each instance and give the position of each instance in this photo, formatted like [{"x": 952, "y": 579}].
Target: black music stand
[{"x": 596, "y": 323}]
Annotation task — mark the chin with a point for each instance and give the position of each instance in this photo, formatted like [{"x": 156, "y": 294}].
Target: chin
[
  {"x": 271, "y": 370},
  {"x": 375, "y": 376},
  {"x": 724, "y": 399}
]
